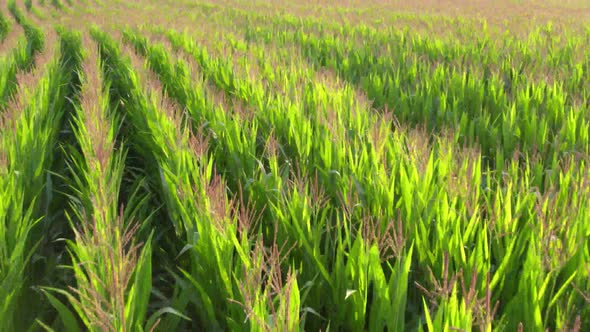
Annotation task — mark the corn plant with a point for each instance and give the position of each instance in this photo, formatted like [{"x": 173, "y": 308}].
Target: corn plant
[
  {"x": 19, "y": 59},
  {"x": 112, "y": 271},
  {"x": 209, "y": 253},
  {"x": 34, "y": 34},
  {"x": 30, "y": 129},
  {"x": 4, "y": 26},
  {"x": 424, "y": 230},
  {"x": 276, "y": 166}
]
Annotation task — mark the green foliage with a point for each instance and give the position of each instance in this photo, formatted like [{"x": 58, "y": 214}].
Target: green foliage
[
  {"x": 280, "y": 173},
  {"x": 34, "y": 34},
  {"x": 4, "y": 26},
  {"x": 21, "y": 58},
  {"x": 57, "y": 4},
  {"x": 27, "y": 146}
]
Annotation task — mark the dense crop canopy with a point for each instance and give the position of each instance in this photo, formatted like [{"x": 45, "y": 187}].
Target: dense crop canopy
[{"x": 254, "y": 166}]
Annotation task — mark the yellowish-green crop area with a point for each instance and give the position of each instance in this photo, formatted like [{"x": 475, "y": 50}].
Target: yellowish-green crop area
[{"x": 233, "y": 165}]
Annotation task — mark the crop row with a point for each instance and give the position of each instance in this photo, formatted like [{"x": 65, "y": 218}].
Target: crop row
[{"x": 495, "y": 205}]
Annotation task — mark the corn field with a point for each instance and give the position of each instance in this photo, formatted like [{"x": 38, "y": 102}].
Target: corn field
[{"x": 233, "y": 165}]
